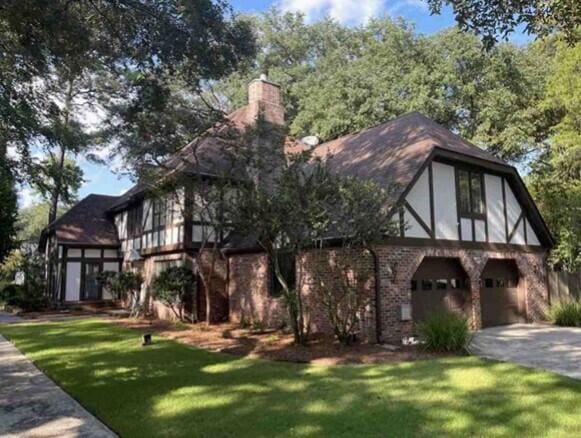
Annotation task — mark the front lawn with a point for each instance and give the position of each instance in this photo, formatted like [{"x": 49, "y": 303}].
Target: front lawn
[{"x": 170, "y": 389}]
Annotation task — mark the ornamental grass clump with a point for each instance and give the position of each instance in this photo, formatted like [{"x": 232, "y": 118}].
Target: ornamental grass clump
[
  {"x": 444, "y": 333},
  {"x": 566, "y": 313}
]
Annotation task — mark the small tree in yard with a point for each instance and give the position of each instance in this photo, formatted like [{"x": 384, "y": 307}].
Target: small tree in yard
[
  {"x": 359, "y": 220},
  {"x": 172, "y": 287},
  {"x": 124, "y": 284},
  {"x": 282, "y": 205}
]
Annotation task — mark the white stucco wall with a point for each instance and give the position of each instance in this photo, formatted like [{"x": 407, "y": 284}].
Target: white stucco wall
[
  {"x": 445, "y": 216},
  {"x": 73, "y": 282},
  {"x": 494, "y": 209}
]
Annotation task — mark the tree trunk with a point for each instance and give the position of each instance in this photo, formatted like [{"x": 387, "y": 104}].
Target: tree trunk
[{"x": 55, "y": 195}]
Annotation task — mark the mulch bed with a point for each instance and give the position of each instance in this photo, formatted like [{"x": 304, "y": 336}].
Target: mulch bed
[{"x": 275, "y": 344}]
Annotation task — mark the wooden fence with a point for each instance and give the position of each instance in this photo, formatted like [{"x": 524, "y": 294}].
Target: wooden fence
[{"x": 564, "y": 285}]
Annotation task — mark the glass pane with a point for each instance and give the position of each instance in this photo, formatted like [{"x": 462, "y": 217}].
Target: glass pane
[
  {"x": 488, "y": 282},
  {"x": 441, "y": 283},
  {"x": 464, "y": 191},
  {"x": 414, "y": 285},
  {"x": 500, "y": 282},
  {"x": 455, "y": 283},
  {"x": 426, "y": 284},
  {"x": 91, "y": 281},
  {"x": 477, "y": 204}
]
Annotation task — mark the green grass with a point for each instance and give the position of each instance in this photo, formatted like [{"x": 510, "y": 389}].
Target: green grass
[{"x": 169, "y": 389}]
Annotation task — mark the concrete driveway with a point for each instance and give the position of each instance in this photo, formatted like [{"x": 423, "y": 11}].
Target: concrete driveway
[{"x": 555, "y": 349}]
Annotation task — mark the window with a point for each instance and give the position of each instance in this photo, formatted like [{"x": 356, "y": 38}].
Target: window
[
  {"x": 455, "y": 283},
  {"x": 441, "y": 284},
  {"x": 426, "y": 284},
  {"x": 159, "y": 215},
  {"x": 470, "y": 195},
  {"x": 488, "y": 282},
  {"x": 162, "y": 265},
  {"x": 500, "y": 282},
  {"x": 286, "y": 263},
  {"x": 414, "y": 285},
  {"x": 134, "y": 216}
]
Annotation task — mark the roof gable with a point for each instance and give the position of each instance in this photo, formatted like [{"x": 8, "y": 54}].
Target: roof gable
[{"x": 86, "y": 223}]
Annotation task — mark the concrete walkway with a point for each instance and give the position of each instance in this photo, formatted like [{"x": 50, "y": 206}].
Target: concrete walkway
[
  {"x": 8, "y": 318},
  {"x": 32, "y": 405},
  {"x": 555, "y": 349}
]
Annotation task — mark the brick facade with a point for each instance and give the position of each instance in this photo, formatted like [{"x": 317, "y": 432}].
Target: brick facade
[
  {"x": 249, "y": 299},
  {"x": 248, "y": 290}
]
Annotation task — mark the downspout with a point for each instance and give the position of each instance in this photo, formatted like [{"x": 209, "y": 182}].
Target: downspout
[{"x": 377, "y": 287}]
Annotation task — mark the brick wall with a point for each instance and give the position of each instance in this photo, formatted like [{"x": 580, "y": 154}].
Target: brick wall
[
  {"x": 250, "y": 301},
  {"x": 249, "y": 297}
]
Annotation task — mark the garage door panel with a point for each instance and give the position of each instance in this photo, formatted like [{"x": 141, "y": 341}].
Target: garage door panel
[
  {"x": 439, "y": 285},
  {"x": 501, "y": 299}
]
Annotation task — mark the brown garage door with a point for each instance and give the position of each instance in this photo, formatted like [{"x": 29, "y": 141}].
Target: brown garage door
[
  {"x": 439, "y": 285},
  {"x": 502, "y": 301}
]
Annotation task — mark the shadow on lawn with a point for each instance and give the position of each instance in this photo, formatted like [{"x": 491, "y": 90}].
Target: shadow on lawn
[{"x": 169, "y": 389}]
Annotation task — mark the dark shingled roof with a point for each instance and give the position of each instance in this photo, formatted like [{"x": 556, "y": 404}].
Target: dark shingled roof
[
  {"x": 393, "y": 152},
  {"x": 86, "y": 223}
]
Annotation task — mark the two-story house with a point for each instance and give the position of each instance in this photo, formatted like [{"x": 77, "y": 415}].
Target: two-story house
[{"x": 471, "y": 238}]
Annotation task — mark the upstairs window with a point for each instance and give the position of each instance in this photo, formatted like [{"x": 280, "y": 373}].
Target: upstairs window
[
  {"x": 470, "y": 193},
  {"x": 134, "y": 217},
  {"x": 159, "y": 214}
]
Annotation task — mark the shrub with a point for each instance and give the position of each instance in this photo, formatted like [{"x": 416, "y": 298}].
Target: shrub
[
  {"x": 445, "y": 332},
  {"x": 566, "y": 313},
  {"x": 11, "y": 294},
  {"x": 124, "y": 284},
  {"x": 172, "y": 287}
]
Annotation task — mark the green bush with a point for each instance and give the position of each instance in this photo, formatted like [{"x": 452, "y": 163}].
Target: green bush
[
  {"x": 10, "y": 294},
  {"x": 444, "y": 332},
  {"x": 566, "y": 313}
]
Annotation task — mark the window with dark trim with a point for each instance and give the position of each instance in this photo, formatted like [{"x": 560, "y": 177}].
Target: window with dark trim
[
  {"x": 470, "y": 193},
  {"x": 287, "y": 264},
  {"x": 159, "y": 214},
  {"x": 134, "y": 218}
]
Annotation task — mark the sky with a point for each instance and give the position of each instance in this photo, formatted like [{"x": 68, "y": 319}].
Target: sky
[{"x": 111, "y": 180}]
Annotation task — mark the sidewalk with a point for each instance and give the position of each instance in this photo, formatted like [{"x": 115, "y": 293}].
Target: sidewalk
[{"x": 32, "y": 405}]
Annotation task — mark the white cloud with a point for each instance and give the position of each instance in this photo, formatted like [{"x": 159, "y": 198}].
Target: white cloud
[{"x": 344, "y": 11}]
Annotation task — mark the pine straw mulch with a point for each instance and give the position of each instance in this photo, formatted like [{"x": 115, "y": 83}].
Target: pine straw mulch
[{"x": 275, "y": 344}]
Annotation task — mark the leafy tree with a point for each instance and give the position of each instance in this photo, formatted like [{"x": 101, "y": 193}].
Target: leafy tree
[
  {"x": 125, "y": 284},
  {"x": 492, "y": 19},
  {"x": 31, "y": 221},
  {"x": 337, "y": 80},
  {"x": 8, "y": 211},
  {"x": 555, "y": 178},
  {"x": 358, "y": 221},
  {"x": 172, "y": 287}
]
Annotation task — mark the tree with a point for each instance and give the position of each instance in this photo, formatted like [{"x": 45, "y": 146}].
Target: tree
[
  {"x": 359, "y": 220},
  {"x": 555, "y": 177},
  {"x": 283, "y": 204},
  {"x": 338, "y": 80},
  {"x": 9, "y": 209},
  {"x": 125, "y": 284},
  {"x": 31, "y": 222},
  {"x": 494, "y": 19},
  {"x": 172, "y": 287}
]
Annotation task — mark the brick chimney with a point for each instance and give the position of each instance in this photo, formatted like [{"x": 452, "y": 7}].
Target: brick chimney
[{"x": 265, "y": 98}]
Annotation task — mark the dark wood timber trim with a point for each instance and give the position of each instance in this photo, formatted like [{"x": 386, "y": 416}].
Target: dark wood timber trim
[
  {"x": 419, "y": 219},
  {"x": 483, "y": 182},
  {"x": 431, "y": 194},
  {"x": 455, "y": 244},
  {"x": 517, "y": 223},
  {"x": 401, "y": 223},
  {"x": 524, "y": 226}
]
